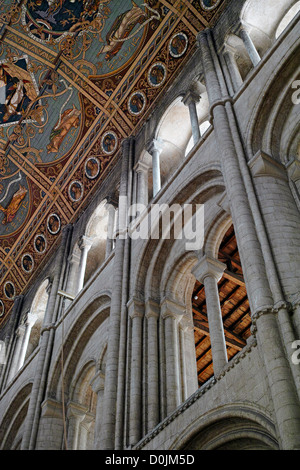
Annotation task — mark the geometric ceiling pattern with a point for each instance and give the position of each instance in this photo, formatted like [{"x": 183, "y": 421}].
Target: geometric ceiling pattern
[{"x": 76, "y": 78}]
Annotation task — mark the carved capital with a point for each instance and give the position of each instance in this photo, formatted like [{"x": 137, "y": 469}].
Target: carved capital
[
  {"x": 208, "y": 266},
  {"x": 264, "y": 165}
]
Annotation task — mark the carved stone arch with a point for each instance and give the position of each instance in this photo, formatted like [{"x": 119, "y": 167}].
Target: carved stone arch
[
  {"x": 94, "y": 314},
  {"x": 269, "y": 115},
  {"x": 14, "y": 418},
  {"x": 216, "y": 232},
  {"x": 224, "y": 427},
  {"x": 204, "y": 193},
  {"x": 210, "y": 175}
]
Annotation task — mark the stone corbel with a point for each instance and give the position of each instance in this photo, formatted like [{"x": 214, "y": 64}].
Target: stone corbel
[
  {"x": 293, "y": 169},
  {"x": 264, "y": 165},
  {"x": 169, "y": 308}
]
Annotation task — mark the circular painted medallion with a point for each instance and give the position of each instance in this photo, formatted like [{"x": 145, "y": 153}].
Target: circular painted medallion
[
  {"x": 9, "y": 290},
  {"x": 109, "y": 142},
  {"x": 137, "y": 103},
  {"x": 210, "y": 4},
  {"x": 178, "y": 45},
  {"x": 40, "y": 244},
  {"x": 2, "y": 309},
  {"x": 157, "y": 74},
  {"x": 27, "y": 263},
  {"x": 92, "y": 168},
  {"x": 75, "y": 191},
  {"x": 53, "y": 224}
]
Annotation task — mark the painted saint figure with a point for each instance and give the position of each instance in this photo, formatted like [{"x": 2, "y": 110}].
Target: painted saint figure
[
  {"x": 68, "y": 119},
  {"x": 121, "y": 29},
  {"x": 12, "y": 208}
]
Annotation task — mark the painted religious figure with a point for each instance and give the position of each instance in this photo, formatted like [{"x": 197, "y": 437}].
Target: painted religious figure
[
  {"x": 67, "y": 120},
  {"x": 76, "y": 191},
  {"x": 50, "y": 19},
  {"x": 9, "y": 290},
  {"x": 40, "y": 243},
  {"x": 121, "y": 29},
  {"x": 27, "y": 263},
  {"x": 12, "y": 208},
  {"x": 137, "y": 103},
  {"x": 178, "y": 45},
  {"x": 18, "y": 91},
  {"x": 157, "y": 74},
  {"x": 53, "y": 224},
  {"x": 210, "y": 4},
  {"x": 109, "y": 142},
  {"x": 2, "y": 309},
  {"x": 92, "y": 168}
]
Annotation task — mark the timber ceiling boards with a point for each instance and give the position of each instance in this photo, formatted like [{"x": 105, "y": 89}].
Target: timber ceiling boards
[
  {"x": 234, "y": 306},
  {"x": 76, "y": 78}
]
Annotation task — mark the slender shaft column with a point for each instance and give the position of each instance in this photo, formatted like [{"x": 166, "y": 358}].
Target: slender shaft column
[
  {"x": 249, "y": 45},
  {"x": 257, "y": 281},
  {"x": 152, "y": 315},
  {"x": 72, "y": 280},
  {"x": 46, "y": 343},
  {"x": 188, "y": 361},
  {"x": 84, "y": 244},
  {"x": 209, "y": 271},
  {"x": 172, "y": 314},
  {"x": 111, "y": 208},
  {"x": 236, "y": 79},
  {"x": 84, "y": 430},
  {"x": 107, "y": 435},
  {"x": 190, "y": 99},
  {"x": 136, "y": 313},
  {"x": 8, "y": 341},
  {"x": 30, "y": 321},
  {"x": 97, "y": 384},
  {"x": 142, "y": 170},
  {"x": 155, "y": 149},
  {"x": 17, "y": 351},
  {"x": 75, "y": 415}
]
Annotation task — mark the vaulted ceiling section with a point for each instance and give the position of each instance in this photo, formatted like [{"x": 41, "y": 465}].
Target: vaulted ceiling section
[{"x": 76, "y": 77}]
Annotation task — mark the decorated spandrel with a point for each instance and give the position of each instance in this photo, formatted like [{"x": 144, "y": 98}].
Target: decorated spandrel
[{"x": 76, "y": 78}]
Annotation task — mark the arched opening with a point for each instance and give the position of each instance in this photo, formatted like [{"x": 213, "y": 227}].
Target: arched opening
[
  {"x": 96, "y": 231},
  {"x": 235, "y": 310},
  {"x": 288, "y": 17},
  {"x": 82, "y": 412},
  {"x": 36, "y": 317}
]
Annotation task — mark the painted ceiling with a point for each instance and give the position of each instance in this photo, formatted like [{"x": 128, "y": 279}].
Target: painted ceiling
[{"x": 76, "y": 77}]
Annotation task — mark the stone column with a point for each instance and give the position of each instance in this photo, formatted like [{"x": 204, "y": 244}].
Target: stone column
[
  {"x": 9, "y": 338},
  {"x": 190, "y": 99},
  {"x": 30, "y": 321},
  {"x": 111, "y": 207},
  {"x": 20, "y": 333},
  {"x": 84, "y": 429},
  {"x": 209, "y": 271},
  {"x": 155, "y": 149},
  {"x": 188, "y": 357},
  {"x": 249, "y": 45},
  {"x": 72, "y": 280},
  {"x": 75, "y": 415},
  {"x": 136, "y": 313},
  {"x": 152, "y": 315},
  {"x": 97, "y": 384},
  {"x": 171, "y": 314},
  {"x": 108, "y": 430},
  {"x": 254, "y": 259},
  {"x": 46, "y": 344},
  {"x": 229, "y": 55},
  {"x": 50, "y": 435},
  {"x": 84, "y": 244},
  {"x": 142, "y": 170}
]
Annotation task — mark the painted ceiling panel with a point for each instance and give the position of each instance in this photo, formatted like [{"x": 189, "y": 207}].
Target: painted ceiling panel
[{"x": 76, "y": 78}]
